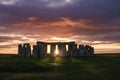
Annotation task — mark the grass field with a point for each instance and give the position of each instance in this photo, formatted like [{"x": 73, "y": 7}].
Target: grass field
[{"x": 100, "y": 67}]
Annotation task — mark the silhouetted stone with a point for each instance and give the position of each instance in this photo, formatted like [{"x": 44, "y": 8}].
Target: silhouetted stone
[
  {"x": 86, "y": 52},
  {"x": 19, "y": 49},
  {"x": 28, "y": 50},
  {"x": 40, "y": 49},
  {"x": 64, "y": 53},
  {"x": 81, "y": 50},
  {"x": 92, "y": 51},
  {"x": 75, "y": 50},
  {"x": 53, "y": 50},
  {"x": 71, "y": 48},
  {"x": 35, "y": 54},
  {"x": 25, "y": 50}
]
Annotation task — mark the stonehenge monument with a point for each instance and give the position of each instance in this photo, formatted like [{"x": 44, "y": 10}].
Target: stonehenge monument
[
  {"x": 53, "y": 49},
  {"x": 24, "y": 50}
]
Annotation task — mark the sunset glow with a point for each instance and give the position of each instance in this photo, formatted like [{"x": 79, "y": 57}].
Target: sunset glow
[{"x": 87, "y": 22}]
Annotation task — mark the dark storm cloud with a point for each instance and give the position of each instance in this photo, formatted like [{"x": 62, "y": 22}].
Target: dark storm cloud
[{"x": 98, "y": 11}]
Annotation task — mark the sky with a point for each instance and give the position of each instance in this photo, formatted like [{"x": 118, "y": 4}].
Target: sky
[{"x": 88, "y": 22}]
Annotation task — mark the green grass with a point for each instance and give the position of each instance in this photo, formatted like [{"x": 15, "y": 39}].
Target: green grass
[{"x": 100, "y": 67}]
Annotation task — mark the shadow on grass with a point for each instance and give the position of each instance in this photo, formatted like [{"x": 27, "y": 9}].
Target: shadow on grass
[{"x": 19, "y": 67}]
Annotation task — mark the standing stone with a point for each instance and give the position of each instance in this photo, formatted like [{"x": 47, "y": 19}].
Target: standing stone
[
  {"x": 75, "y": 52},
  {"x": 20, "y": 50},
  {"x": 28, "y": 50},
  {"x": 64, "y": 50},
  {"x": 38, "y": 48},
  {"x": 71, "y": 49},
  {"x": 42, "y": 49},
  {"x": 92, "y": 51},
  {"x": 86, "y": 52},
  {"x": 81, "y": 50},
  {"x": 35, "y": 51},
  {"x": 89, "y": 50},
  {"x": 24, "y": 51},
  {"x": 45, "y": 50},
  {"x": 60, "y": 49},
  {"x": 53, "y": 46}
]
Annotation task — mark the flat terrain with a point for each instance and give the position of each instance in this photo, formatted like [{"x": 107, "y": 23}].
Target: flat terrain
[{"x": 100, "y": 67}]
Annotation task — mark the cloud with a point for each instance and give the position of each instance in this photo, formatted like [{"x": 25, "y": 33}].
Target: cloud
[
  {"x": 92, "y": 22},
  {"x": 8, "y": 2},
  {"x": 81, "y": 9}
]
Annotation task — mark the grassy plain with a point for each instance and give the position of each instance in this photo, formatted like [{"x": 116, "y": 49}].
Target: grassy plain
[{"x": 99, "y": 67}]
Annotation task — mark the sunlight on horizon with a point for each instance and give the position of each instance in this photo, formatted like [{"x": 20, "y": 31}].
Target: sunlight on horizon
[
  {"x": 48, "y": 49},
  {"x": 56, "y": 50},
  {"x": 67, "y": 48}
]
